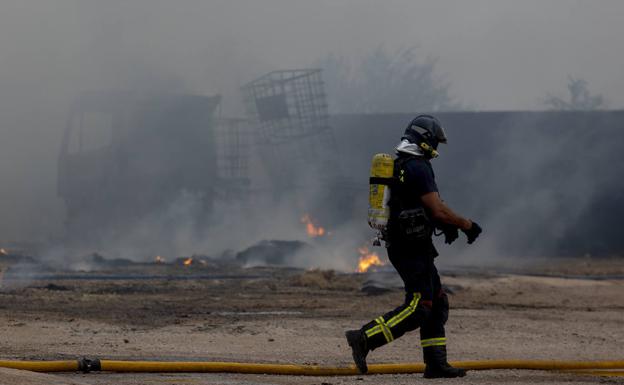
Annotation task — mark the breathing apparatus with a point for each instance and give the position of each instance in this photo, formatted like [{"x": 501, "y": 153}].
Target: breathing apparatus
[
  {"x": 424, "y": 131},
  {"x": 381, "y": 178}
]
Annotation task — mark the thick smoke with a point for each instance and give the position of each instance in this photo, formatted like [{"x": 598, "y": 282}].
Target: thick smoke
[{"x": 542, "y": 183}]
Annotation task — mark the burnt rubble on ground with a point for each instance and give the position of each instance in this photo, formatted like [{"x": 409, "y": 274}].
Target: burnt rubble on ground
[{"x": 272, "y": 252}]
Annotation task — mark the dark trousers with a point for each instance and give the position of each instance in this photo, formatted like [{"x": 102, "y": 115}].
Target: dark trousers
[{"x": 425, "y": 306}]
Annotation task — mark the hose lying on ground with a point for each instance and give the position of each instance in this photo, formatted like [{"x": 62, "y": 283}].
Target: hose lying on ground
[{"x": 87, "y": 365}]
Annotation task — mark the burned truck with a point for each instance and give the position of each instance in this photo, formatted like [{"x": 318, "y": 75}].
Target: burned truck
[
  {"x": 127, "y": 158},
  {"x": 124, "y": 156}
]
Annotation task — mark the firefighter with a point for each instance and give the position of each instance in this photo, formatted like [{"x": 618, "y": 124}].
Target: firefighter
[{"x": 415, "y": 211}]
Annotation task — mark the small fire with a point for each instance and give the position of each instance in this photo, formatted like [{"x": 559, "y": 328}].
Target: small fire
[
  {"x": 160, "y": 259},
  {"x": 312, "y": 230},
  {"x": 3, "y": 252},
  {"x": 188, "y": 261},
  {"x": 367, "y": 259}
]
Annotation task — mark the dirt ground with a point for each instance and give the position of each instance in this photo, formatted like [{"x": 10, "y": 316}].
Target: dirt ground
[{"x": 572, "y": 310}]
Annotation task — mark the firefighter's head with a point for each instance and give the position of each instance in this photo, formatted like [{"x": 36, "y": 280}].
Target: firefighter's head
[{"x": 426, "y": 132}]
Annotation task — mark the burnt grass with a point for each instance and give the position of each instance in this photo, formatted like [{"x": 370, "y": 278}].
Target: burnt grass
[{"x": 162, "y": 295}]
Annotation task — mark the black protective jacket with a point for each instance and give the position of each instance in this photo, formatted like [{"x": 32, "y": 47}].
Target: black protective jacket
[{"x": 414, "y": 177}]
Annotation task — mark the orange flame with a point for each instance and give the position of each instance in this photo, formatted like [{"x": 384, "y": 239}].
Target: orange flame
[
  {"x": 3, "y": 252},
  {"x": 312, "y": 230},
  {"x": 160, "y": 259},
  {"x": 367, "y": 260},
  {"x": 188, "y": 261}
]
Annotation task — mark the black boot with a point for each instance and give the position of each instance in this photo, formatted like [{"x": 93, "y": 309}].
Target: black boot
[
  {"x": 357, "y": 341},
  {"x": 436, "y": 364}
]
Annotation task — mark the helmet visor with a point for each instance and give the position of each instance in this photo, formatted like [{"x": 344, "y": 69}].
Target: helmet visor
[{"x": 440, "y": 135}]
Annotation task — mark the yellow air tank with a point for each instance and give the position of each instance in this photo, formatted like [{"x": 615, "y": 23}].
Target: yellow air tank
[{"x": 382, "y": 168}]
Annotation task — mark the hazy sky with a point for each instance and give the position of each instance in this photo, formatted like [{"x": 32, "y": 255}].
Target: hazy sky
[{"x": 497, "y": 54}]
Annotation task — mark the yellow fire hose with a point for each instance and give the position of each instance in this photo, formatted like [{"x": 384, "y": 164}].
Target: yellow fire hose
[
  {"x": 42, "y": 366},
  {"x": 607, "y": 368}
]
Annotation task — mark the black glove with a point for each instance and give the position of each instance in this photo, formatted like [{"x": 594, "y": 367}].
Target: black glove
[
  {"x": 473, "y": 232},
  {"x": 450, "y": 232}
]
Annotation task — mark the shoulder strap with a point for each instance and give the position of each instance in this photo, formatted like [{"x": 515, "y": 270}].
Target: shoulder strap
[
  {"x": 396, "y": 187},
  {"x": 399, "y": 163}
]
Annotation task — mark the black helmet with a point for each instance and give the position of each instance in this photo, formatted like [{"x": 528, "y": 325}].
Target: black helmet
[{"x": 427, "y": 132}]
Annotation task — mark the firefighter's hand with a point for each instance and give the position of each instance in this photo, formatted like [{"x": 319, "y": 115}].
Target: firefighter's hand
[
  {"x": 473, "y": 232},
  {"x": 451, "y": 233}
]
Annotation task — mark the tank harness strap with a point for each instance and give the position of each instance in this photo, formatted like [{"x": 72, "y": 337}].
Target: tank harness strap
[{"x": 381, "y": 180}]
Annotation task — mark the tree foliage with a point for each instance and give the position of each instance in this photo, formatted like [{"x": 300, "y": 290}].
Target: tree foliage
[
  {"x": 580, "y": 99},
  {"x": 385, "y": 82}
]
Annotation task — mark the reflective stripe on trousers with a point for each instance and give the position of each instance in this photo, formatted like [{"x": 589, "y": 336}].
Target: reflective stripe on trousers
[
  {"x": 440, "y": 341},
  {"x": 385, "y": 327}
]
